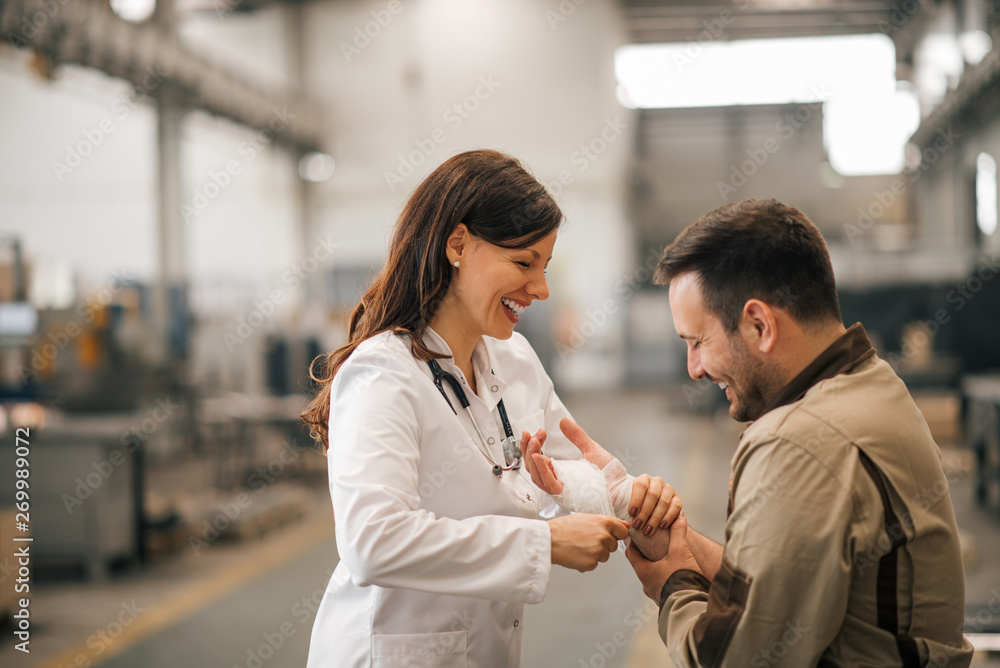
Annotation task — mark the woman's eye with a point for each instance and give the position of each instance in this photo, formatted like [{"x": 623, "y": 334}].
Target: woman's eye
[{"x": 526, "y": 265}]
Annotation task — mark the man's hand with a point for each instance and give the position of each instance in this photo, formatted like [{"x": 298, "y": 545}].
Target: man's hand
[
  {"x": 654, "y": 574},
  {"x": 581, "y": 541}
]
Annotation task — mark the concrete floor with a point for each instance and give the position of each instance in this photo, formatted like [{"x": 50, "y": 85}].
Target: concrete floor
[{"x": 251, "y": 604}]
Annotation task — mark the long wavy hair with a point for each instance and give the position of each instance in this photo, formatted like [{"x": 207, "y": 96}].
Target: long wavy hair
[{"x": 496, "y": 198}]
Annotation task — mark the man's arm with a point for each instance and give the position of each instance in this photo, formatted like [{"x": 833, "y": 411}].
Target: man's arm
[
  {"x": 779, "y": 594},
  {"x": 706, "y": 552}
]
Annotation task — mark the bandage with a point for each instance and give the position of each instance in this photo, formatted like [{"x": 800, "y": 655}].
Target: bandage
[
  {"x": 607, "y": 491},
  {"x": 588, "y": 489}
]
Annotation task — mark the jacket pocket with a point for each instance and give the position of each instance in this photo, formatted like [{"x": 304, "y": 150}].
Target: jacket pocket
[
  {"x": 420, "y": 650},
  {"x": 530, "y": 424}
]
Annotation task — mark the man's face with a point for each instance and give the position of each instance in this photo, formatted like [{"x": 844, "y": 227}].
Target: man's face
[{"x": 720, "y": 357}]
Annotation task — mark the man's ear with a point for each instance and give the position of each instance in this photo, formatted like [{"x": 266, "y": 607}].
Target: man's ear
[
  {"x": 759, "y": 326},
  {"x": 457, "y": 241}
]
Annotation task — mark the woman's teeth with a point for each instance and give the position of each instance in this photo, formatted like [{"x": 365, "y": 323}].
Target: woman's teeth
[
  {"x": 722, "y": 386},
  {"x": 512, "y": 306}
]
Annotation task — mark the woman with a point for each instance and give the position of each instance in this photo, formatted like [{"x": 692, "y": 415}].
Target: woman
[{"x": 436, "y": 519}]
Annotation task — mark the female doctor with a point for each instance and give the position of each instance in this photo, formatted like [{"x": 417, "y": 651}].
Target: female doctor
[{"x": 426, "y": 414}]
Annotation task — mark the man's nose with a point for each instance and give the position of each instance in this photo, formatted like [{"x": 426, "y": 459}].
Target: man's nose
[{"x": 695, "y": 369}]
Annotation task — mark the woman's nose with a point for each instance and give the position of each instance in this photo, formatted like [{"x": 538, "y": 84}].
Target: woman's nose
[{"x": 539, "y": 289}]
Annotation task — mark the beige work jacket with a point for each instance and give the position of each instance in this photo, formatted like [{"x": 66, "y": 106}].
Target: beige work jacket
[{"x": 841, "y": 544}]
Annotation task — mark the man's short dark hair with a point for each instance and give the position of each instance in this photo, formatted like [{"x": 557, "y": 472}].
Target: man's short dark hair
[{"x": 756, "y": 249}]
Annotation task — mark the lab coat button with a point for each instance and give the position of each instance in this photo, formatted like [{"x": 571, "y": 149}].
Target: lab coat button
[
  {"x": 490, "y": 440},
  {"x": 493, "y": 389},
  {"x": 516, "y": 622}
]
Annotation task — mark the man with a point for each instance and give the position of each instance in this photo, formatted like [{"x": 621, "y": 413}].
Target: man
[{"x": 840, "y": 549}]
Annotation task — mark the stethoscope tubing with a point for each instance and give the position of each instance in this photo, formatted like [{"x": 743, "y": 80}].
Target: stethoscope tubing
[{"x": 440, "y": 377}]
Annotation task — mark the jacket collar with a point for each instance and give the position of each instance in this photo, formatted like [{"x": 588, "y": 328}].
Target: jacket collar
[{"x": 852, "y": 348}]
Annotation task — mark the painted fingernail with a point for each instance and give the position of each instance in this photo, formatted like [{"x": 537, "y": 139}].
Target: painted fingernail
[
  {"x": 632, "y": 511},
  {"x": 663, "y": 524},
  {"x": 648, "y": 530},
  {"x": 637, "y": 525}
]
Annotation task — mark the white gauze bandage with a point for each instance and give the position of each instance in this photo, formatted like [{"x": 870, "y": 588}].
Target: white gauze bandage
[
  {"x": 607, "y": 491},
  {"x": 588, "y": 489}
]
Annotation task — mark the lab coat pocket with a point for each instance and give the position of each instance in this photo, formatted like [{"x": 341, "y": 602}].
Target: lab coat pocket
[
  {"x": 530, "y": 424},
  {"x": 420, "y": 650}
]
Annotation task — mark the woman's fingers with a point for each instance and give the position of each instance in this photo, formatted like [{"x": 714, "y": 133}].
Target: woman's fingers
[
  {"x": 673, "y": 510},
  {"x": 639, "y": 487},
  {"x": 648, "y": 505},
  {"x": 548, "y": 482},
  {"x": 654, "y": 504},
  {"x": 529, "y": 463},
  {"x": 668, "y": 505}
]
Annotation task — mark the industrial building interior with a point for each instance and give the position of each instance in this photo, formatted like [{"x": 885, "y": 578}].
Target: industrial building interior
[{"x": 196, "y": 192}]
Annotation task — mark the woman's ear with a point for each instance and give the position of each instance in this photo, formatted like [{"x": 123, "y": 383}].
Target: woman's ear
[{"x": 457, "y": 241}]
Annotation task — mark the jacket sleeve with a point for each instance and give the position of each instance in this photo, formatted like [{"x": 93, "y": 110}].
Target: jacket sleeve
[
  {"x": 383, "y": 536},
  {"x": 781, "y": 593}
]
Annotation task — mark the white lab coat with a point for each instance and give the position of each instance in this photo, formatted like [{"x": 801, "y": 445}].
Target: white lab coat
[{"x": 438, "y": 554}]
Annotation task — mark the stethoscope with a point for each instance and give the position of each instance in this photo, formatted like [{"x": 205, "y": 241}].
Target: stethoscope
[{"x": 511, "y": 448}]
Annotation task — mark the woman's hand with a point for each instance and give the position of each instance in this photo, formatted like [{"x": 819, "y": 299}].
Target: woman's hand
[
  {"x": 581, "y": 541},
  {"x": 539, "y": 466},
  {"x": 653, "y": 504}
]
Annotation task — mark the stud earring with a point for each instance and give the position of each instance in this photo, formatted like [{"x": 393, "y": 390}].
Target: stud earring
[{"x": 456, "y": 263}]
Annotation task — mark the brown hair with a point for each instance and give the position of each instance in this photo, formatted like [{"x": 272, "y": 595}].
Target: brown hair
[
  {"x": 756, "y": 249},
  {"x": 496, "y": 198}
]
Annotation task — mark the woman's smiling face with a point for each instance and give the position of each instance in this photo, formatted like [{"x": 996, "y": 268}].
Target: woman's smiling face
[{"x": 493, "y": 285}]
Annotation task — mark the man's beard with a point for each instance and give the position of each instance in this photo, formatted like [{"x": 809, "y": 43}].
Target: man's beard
[{"x": 758, "y": 383}]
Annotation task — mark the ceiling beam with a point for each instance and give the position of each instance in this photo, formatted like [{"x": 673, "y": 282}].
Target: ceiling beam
[{"x": 88, "y": 33}]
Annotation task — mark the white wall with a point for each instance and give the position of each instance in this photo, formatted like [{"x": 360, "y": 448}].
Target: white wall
[{"x": 550, "y": 92}]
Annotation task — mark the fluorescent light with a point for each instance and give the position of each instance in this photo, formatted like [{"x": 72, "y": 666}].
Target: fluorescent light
[
  {"x": 867, "y": 118},
  {"x": 986, "y": 193},
  {"x": 316, "y": 167},
  {"x": 975, "y": 45},
  {"x": 133, "y": 10}
]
